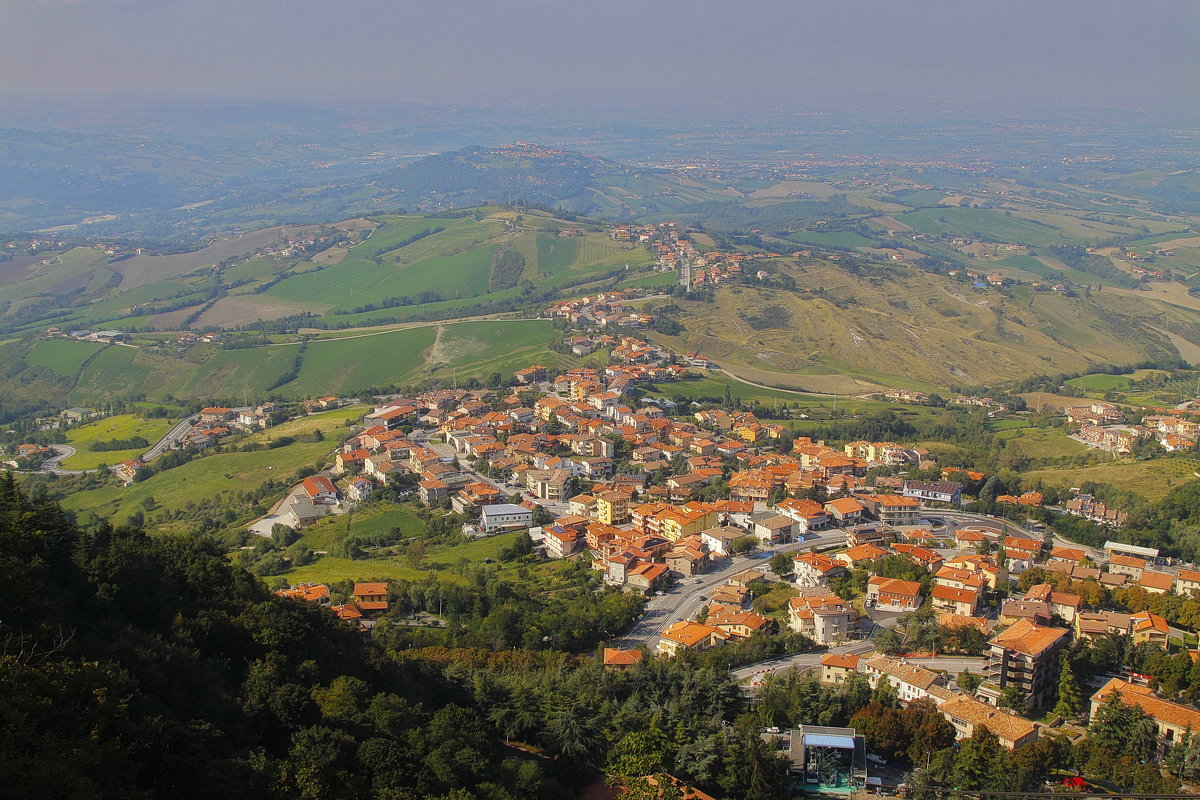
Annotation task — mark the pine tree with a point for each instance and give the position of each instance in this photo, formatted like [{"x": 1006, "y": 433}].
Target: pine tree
[{"x": 1069, "y": 701}]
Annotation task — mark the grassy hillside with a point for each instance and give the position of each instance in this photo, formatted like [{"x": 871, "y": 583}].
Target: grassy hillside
[
  {"x": 123, "y": 426},
  {"x": 338, "y": 363},
  {"x": 898, "y": 326}
]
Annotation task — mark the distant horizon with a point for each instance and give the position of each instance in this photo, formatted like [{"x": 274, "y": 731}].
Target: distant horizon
[{"x": 1018, "y": 55}]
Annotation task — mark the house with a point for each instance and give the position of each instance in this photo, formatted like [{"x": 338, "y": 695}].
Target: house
[
  {"x": 360, "y": 489},
  {"x": 1090, "y": 625},
  {"x": 531, "y": 374},
  {"x": 1021, "y": 553},
  {"x": 1156, "y": 582},
  {"x": 646, "y": 576},
  {"x": 910, "y": 681},
  {"x": 216, "y": 414},
  {"x": 128, "y": 468},
  {"x": 1062, "y": 604},
  {"x": 770, "y": 527},
  {"x": 967, "y": 714},
  {"x": 931, "y": 560},
  {"x": 1186, "y": 582},
  {"x": 1067, "y": 555},
  {"x": 860, "y": 556},
  {"x": 823, "y": 617},
  {"x": 1025, "y": 655},
  {"x": 808, "y": 515},
  {"x": 371, "y": 597},
  {"x": 734, "y": 621},
  {"x": 962, "y": 602},
  {"x": 301, "y": 512},
  {"x": 1131, "y": 566},
  {"x": 1150, "y": 628},
  {"x": 815, "y": 569},
  {"x": 505, "y": 517},
  {"x": 846, "y": 510},
  {"x": 351, "y": 461},
  {"x": 933, "y": 492},
  {"x": 615, "y": 658},
  {"x": 307, "y": 592},
  {"x": 688, "y": 635},
  {"x": 719, "y": 539},
  {"x": 562, "y": 542},
  {"x": 837, "y": 668},
  {"x": 1172, "y": 720},
  {"x": 319, "y": 490},
  {"x": 893, "y": 594},
  {"x": 872, "y": 533}
]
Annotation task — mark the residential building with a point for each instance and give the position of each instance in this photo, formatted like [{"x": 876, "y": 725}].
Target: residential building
[
  {"x": 962, "y": 602},
  {"x": 910, "y": 681},
  {"x": 1150, "y": 628},
  {"x": 846, "y": 510},
  {"x": 825, "y": 618},
  {"x": 837, "y": 668},
  {"x": 1172, "y": 720},
  {"x": 807, "y": 515},
  {"x": 1156, "y": 582},
  {"x": 1025, "y": 655},
  {"x": 504, "y": 517},
  {"x": 1131, "y": 566},
  {"x": 933, "y": 492},
  {"x": 893, "y": 594},
  {"x": 371, "y": 597},
  {"x": 1062, "y": 604},
  {"x": 688, "y": 635},
  {"x": 734, "y": 621},
  {"x": 967, "y": 715},
  {"x": 770, "y": 527},
  {"x": 815, "y": 569},
  {"x": 1090, "y": 625},
  {"x": 615, "y": 658},
  {"x": 719, "y": 539},
  {"x": 1186, "y": 582},
  {"x": 892, "y": 509}
]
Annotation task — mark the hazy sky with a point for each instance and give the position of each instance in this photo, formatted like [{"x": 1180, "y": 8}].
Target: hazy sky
[{"x": 1126, "y": 53}]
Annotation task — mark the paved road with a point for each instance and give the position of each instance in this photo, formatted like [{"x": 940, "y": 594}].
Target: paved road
[
  {"x": 62, "y": 451},
  {"x": 1013, "y": 529},
  {"x": 171, "y": 438},
  {"x": 447, "y": 450},
  {"x": 683, "y": 601}
]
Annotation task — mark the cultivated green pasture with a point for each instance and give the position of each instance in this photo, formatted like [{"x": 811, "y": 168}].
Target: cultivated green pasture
[
  {"x": 62, "y": 356},
  {"x": 122, "y": 426}
]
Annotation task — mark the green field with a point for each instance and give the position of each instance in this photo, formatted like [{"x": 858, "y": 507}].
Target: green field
[
  {"x": 239, "y": 374},
  {"x": 333, "y": 366},
  {"x": 374, "y": 518},
  {"x": 115, "y": 372},
  {"x": 62, "y": 356},
  {"x": 452, "y": 263},
  {"x": 325, "y": 422},
  {"x": 987, "y": 224},
  {"x": 1152, "y": 479},
  {"x": 328, "y": 569},
  {"x": 1045, "y": 444},
  {"x": 845, "y": 239},
  {"x": 211, "y": 477},
  {"x": 1101, "y": 382},
  {"x": 123, "y": 426},
  {"x": 713, "y": 385}
]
